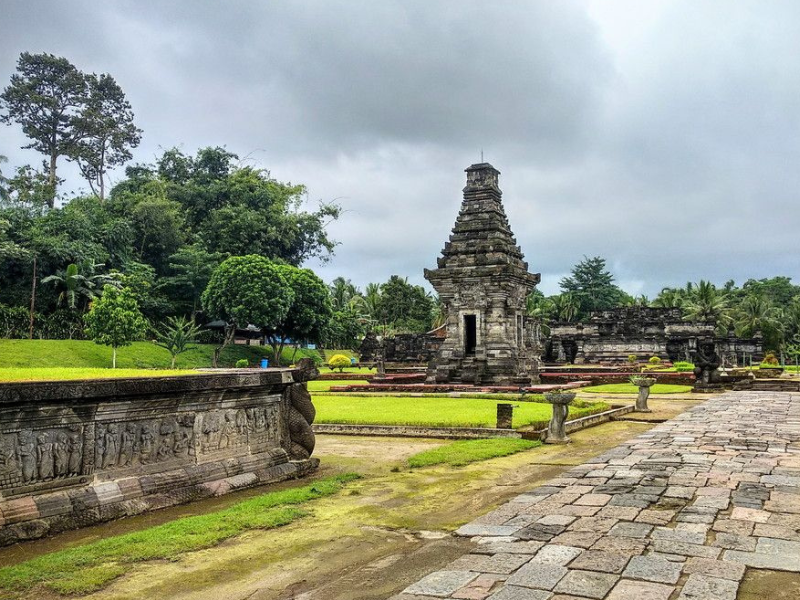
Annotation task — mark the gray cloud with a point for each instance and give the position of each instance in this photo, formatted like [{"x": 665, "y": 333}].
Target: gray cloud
[{"x": 672, "y": 151}]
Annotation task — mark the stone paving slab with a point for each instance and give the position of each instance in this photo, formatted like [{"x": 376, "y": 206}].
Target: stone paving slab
[{"x": 678, "y": 512}]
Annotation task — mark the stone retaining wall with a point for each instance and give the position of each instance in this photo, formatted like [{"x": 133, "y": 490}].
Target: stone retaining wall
[
  {"x": 74, "y": 453},
  {"x": 468, "y": 433}
]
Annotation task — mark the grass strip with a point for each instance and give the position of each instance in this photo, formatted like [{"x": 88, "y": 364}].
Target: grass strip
[
  {"x": 435, "y": 411},
  {"x": 87, "y": 568},
  {"x": 69, "y": 373},
  {"x": 629, "y": 388},
  {"x": 465, "y": 452}
]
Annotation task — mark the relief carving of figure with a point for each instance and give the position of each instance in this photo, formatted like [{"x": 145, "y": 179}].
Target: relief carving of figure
[
  {"x": 261, "y": 420},
  {"x": 111, "y": 451},
  {"x": 182, "y": 442},
  {"x": 127, "y": 444},
  {"x": 99, "y": 446},
  {"x": 226, "y": 431},
  {"x": 165, "y": 448},
  {"x": 210, "y": 430},
  {"x": 75, "y": 447},
  {"x": 44, "y": 454},
  {"x": 251, "y": 419},
  {"x": 26, "y": 456},
  {"x": 146, "y": 443},
  {"x": 241, "y": 421},
  {"x": 61, "y": 451}
]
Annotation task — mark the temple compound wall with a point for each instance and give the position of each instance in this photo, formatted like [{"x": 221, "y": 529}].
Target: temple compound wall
[
  {"x": 610, "y": 336},
  {"x": 74, "y": 453},
  {"x": 483, "y": 282}
]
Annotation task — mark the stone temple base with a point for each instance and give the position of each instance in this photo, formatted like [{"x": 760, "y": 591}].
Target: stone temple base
[{"x": 30, "y": 518}]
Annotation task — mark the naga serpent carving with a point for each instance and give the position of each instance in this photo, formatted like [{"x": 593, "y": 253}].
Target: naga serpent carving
[{"x": 302, "y": 413}]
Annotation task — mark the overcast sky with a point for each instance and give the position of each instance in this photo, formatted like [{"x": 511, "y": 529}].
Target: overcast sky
[{"x": 663, "y": 136}]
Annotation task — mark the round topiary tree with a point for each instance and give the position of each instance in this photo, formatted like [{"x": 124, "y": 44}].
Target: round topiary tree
[
  {"x": 339, "y": 361},
  {"x": 654, "y": 360},
  {"x": 248, "y": 290}
]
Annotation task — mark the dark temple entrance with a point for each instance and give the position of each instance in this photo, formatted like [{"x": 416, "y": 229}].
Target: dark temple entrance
[{"x": 470, "y": 334}]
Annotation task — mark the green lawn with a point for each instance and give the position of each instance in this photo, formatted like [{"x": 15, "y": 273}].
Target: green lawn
[
  {"x": 89, "y": 567},
  {"x": 140, "y": 355},
  {"x": 62, "y": 373},
  {"x": 464, "y": 452},
  {"x": 629, "y": 388},
  {"x": 324, "y": 385},
  {"x": 433, "y": 412}
]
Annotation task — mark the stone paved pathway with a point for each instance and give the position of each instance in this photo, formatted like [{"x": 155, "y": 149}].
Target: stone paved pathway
[{"x": 677, "y": 513}]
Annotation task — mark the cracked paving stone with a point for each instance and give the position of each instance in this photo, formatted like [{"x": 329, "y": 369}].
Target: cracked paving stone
[
  {"x": 482, "y": 563},
  {"x": 586, "y": 583},
  {"x": 529, "y": 547},
  {"x": 513, "y": 592},
  {"x": 640, "y": 590},
  {"x": 632, "y": 530},
  {"x": 538, "y": 575},
  {"x": 653, "y": 569},
  {"x": 553, "y": 554},
  {"x": 722, "y": 569},
  {"x": 598, "y": 560},
  {"x": 440, "y": 583},
  {"x": 702, "y": 587}
]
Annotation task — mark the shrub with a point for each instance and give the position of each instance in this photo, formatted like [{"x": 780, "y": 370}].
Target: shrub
[
  {"x": 683, "y": 367},
  {"x": 632, "y": 358},
  {"x": 770, "y": 359},
  {"x": 339, "y": 361},
  {"x": 654, "y": 360},
  {"x": 242, "y": 363}
]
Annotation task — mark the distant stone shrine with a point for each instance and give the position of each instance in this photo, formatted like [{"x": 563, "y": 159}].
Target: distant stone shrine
[
  {"x": 483, "y": 282},
  {"x": 74, "y": 453},
  {"x": 610, "y": 336}
]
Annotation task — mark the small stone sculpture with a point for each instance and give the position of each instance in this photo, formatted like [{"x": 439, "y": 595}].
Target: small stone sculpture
[
  {"x": 644, "y": 384},
  {"x": 556, "y": 431},
  {"x": 302, "y": 413},
  {"x": 706, "y": 365}
]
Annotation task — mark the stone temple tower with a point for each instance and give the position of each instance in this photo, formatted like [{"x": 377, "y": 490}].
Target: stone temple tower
[{"x": 483, "y": 282}]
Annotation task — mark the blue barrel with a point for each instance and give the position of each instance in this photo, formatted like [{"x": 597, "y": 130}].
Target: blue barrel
[
  {"x": 352, "y": 361},
  {"x": 264, "y": 363}
]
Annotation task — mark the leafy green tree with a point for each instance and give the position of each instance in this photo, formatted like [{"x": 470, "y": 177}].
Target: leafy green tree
[
  {"x": 114, "y": 320},
  {"x": 29, "y": 188},
  {"x": 246, "y": 290},
  {"x": 403, "y": 306},
  {"x": 191, "y": 269},
  {"x": 309, "y": 313},
  {"x": 158, "y": 227},
  {"x": 107, "y": 132},
  {"x": 565, "y": 307},
  {"x": 45, "y": 97},
  {"x": 176, "y": 336},
  {"x": 592, "y": 286},
  {"x": 344, "y": 329}
]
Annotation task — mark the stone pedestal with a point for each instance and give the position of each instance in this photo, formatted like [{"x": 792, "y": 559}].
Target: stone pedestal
[
  {"x": 505, "y": 416},
  {"x": 556, "y": 430},
  {"x": 641, "y": 399}
]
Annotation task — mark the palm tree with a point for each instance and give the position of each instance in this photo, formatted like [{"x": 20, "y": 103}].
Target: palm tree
[
  {"x": 565, "y": 307},
  {"x": 706, "y": 304},
  {"x": 670, "y": 298},
  {"x": 755, "y": 313},
  {"x": 342, "y": 293}
]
